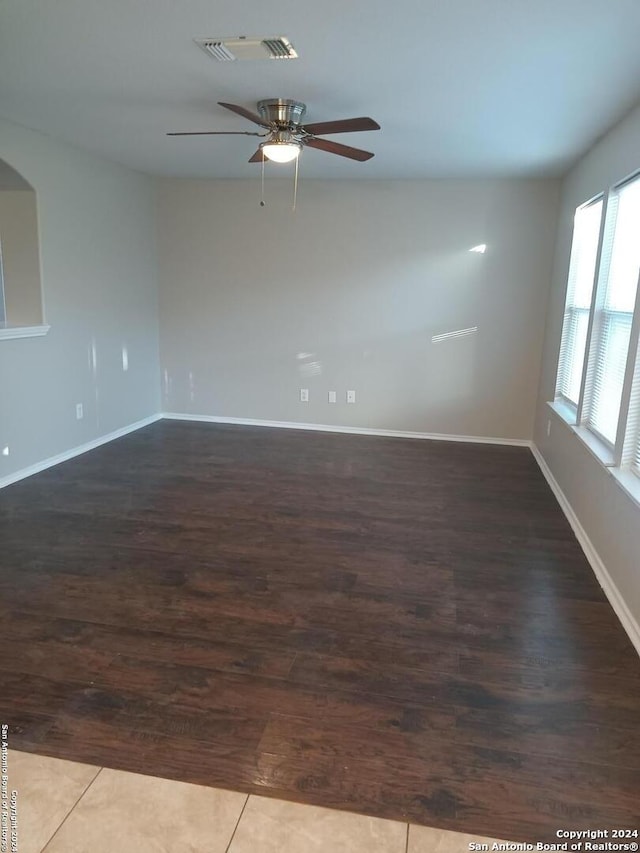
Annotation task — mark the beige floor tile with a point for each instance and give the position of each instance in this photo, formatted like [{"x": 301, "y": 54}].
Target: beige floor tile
[
  {"x": 129, "y": 813},
  {"x": 274, "y": 826},
  {"x": 423, "y": 839},
  {"x": 48, "y": 788}
]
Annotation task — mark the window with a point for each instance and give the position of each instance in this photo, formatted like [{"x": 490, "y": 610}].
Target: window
[
  {"x": 599, "y": 364},
  {"x": 582, "y": 269},
  {"x": 614, "y": 314},
  {"x": 635, "y": 453},
  {"x": 631, "y": 447}
]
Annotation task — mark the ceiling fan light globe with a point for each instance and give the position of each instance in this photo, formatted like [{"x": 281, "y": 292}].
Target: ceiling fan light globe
[{"x": 281, "y": 152}]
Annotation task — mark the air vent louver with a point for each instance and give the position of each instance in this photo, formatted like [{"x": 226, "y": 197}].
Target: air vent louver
[
  {"x": 230, "y": 49},
  {"x": 280, "y": 48},
  {"x": 218, "y": 50}
]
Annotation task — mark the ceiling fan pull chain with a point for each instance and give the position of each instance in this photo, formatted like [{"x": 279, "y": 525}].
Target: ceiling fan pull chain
[
  {"x": 262, "y": 203},
  {"x": 295, "y": 184}
]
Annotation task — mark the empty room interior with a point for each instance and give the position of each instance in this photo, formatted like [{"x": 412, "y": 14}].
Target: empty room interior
[{"x": 319, "y": 426}]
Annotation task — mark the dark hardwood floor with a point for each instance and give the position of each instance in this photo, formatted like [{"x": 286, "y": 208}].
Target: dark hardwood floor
[{"x": 400, "y": 628}]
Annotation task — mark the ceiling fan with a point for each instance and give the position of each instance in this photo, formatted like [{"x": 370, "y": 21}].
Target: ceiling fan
[{"x": 285, "y": 136}]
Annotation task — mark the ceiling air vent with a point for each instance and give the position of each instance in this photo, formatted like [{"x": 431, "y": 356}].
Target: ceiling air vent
[
  {"x": 279, "y": 48},
  {"x": 227, "y": 50}
]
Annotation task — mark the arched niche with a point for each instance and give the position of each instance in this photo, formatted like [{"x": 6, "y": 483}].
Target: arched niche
[{"x": 20, "y": 282}]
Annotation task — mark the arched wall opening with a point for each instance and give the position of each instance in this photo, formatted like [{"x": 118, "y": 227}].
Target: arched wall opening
[{"x": 20, "y": 279}]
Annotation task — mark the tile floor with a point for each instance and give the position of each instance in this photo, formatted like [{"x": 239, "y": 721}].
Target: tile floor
[{"x": 64, "y": 807}]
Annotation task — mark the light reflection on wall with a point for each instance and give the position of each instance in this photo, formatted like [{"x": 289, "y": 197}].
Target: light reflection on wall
[
  {"x": 308, "y": 365},
  {"x": 458, "y": 333},
  {"x": 93, "y": 358}
]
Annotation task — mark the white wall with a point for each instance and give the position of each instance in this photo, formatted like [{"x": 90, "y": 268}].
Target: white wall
[
  {"x": 97, "y": 247},
  {"x": 359, "y": 279},
  {"x": 609, "y": 516}
]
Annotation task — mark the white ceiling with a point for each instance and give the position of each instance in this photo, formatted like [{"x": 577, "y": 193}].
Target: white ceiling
[{"x": 460, "y": 87}]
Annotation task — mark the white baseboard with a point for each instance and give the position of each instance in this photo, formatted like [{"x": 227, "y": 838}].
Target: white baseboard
[
  {"x": 599, "y": 569},
  {"x": 104, "y": 439},
  {"x": 390, "y": 433},
  {"x": 604, "y": 578},
  {"x": 75, "y": 451}
]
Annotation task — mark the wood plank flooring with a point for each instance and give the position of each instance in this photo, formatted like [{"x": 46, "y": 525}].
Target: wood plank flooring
[{"x": 406, "y": 629}]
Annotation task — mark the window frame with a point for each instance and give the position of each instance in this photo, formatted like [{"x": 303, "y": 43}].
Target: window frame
[
  {"x": 576, "y": 406},
  {"x": 619, "y": 456}
]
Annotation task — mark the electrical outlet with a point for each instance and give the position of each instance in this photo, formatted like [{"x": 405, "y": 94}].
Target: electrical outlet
[
  {"x": 304, "y": 395},
  {"x": 79, "y": 411},
  {"x": 351, "y": 396},
  {"x": 548, "y": 428},
  {"x": 333, "y": 397}
]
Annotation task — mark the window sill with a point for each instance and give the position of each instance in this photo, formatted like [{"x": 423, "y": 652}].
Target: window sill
[
  {"x": 564, "y": 411},
  {"x": 624, "y": 477},
  {"x": 598, "y": 449},
  {"x": 8, "y": 332},
  {"x": 628, "y": 481}
]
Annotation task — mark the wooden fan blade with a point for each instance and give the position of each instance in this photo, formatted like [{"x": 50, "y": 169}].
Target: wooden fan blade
[
  {"x": 257, "y": 157},
  {"x": 338, "y": 148},
  {"x": 347, "y": 125},
  {"x": 216, "y": 133},
  {"x": 245, "y": 114}
]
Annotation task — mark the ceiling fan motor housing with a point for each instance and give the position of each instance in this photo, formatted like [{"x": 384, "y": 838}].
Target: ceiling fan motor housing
[
  {"x": 285, "y": 134},
  {"x": 281, "y": 111}
]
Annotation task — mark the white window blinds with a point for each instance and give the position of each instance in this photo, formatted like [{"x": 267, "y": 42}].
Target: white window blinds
[
  {"x": 612, "y": 329},
  {"x": 584, "y": 250},
  {"x": 631, "y": 447}
]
